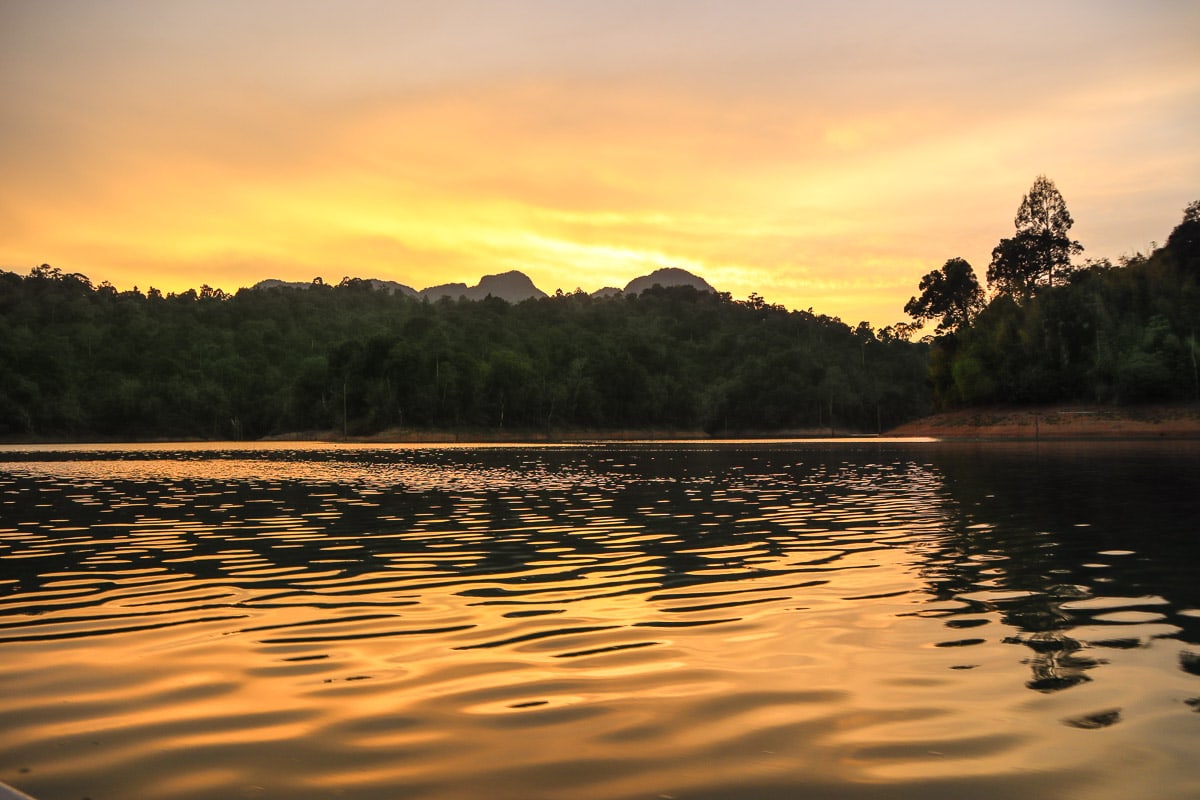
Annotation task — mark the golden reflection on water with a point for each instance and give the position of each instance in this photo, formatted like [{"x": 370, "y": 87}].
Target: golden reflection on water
[{"x": 696, "y": 621}]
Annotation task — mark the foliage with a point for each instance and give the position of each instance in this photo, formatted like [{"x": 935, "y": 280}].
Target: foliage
[
  {"x": 1040, "y": 252},
  {"x": 82, "y": 361},
  {"x": 1109, "y": 334},
  {"x": 1184, "y": 242},
  {"x": 951, "y": 295}
]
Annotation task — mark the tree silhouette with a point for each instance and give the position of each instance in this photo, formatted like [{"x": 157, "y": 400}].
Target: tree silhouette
[
  {"x": 1040, "y": 252},
  {"x": 82, "y": 361},
  {"x": 1184, "y": 242},
  {"x": 951, "y": 295}
]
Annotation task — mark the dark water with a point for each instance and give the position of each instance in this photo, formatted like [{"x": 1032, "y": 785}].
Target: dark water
[{"x": 753, "y": 620}]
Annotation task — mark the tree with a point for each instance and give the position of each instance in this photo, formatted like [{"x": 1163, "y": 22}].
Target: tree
[
  {"x": 1041, "y": 251},
  {"x": 1184, "y": 242},
  {"x": 951, "y": 295},
  {"x": 78, "y": 359}
]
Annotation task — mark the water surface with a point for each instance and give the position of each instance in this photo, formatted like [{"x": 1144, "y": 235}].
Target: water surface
[{"x": 736, "y": 620}]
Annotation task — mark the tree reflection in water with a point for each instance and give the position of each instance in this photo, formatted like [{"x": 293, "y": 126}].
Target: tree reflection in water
[{"x": 1080, "y": 547}]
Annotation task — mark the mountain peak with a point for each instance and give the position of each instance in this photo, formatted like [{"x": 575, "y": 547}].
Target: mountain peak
[
  {"x": 377, "y": 284},
  {"x": 512, "y": 286},
  {"x": 668, "y": 276},
  {"x": 511, "y": 283}
]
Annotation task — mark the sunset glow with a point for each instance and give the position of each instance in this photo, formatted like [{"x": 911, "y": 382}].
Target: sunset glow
[{"x": 822, "y": 156}]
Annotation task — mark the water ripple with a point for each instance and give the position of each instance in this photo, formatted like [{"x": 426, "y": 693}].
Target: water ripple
[{"x": 750, "y": 619}]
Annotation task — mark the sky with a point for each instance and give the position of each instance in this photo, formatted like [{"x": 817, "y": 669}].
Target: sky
[{"x": 822, "y": 155}]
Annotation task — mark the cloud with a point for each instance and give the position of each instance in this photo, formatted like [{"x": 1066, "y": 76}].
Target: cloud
[{"x": 813, "y": 154}]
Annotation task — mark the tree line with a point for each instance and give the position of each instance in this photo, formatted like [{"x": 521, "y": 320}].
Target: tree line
[
  {"x": 1053, "y": 331},
  {"x": 84, "y": 361}
]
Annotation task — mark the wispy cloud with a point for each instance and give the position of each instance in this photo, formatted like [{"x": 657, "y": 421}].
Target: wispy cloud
[{"x": 821, "y": 156}]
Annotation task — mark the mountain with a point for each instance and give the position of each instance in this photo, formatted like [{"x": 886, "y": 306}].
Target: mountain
[
  {"x": 512, "y": 287},
  {"x": 391, "y": 287},
  {"x": 275, "y": 283},
  {"x": 670, "y": 276},
  {"x": 451, "y": 290}
]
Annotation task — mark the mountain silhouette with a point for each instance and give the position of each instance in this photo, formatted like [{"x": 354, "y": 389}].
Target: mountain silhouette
[
  {"x": 668, "y": 276},
  {"x": 391, "y": 287},
  {"x": 512, "y": 286}
]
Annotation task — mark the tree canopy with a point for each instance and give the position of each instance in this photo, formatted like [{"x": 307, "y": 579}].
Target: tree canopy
[
  {"x": 1101, "y": 333},
  {"x": 1184, "y": 242},
  {"x": 79, "y": 361},
  {"x": 1040, "y": 252},
  {"x": 951, "y": 295}
]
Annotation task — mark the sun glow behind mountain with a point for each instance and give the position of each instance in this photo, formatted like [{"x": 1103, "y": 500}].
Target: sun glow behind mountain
[{"x": 822, "y": 158}]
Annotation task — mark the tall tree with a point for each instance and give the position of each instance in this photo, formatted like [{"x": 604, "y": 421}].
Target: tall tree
[
  {"x": 1040, "y": 252},
  {"x": 1184, "y": 242},
  {"x": 952, "y": 295}
]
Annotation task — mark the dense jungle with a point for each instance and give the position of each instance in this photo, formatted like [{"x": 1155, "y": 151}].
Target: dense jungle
[{"x": 85, "y": 361}]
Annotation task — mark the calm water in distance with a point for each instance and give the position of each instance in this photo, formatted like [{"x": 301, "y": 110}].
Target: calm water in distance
[{"x": 658, "y": 620}]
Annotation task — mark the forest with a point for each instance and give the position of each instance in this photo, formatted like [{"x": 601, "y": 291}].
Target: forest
[
  {"x": 79, "y": 361},
  {"x": 1052, "y": 331}
]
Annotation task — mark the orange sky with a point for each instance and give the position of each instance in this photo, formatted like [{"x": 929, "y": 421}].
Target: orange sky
[{"x": 823, "y": 155}]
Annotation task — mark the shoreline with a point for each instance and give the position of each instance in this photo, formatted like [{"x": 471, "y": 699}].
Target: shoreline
[
  {"x": 568, "y": 436},
  {"x": 1080, "y": 422},
  {"x": 1060, "y": 422},
  {"x": 471, "y": 436}
]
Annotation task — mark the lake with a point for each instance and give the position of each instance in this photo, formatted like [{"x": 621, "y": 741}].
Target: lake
[{"x": 848, "y": 619}]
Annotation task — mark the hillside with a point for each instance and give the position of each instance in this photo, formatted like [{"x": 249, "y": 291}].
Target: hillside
[{"x": 79, "y": 361}]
